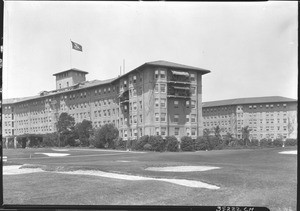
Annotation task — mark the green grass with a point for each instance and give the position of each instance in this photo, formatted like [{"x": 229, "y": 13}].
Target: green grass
[{"x": 248, "y": 177}]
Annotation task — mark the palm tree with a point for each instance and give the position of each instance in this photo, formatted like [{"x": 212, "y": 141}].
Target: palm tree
[{"x": 246, "y": 134}]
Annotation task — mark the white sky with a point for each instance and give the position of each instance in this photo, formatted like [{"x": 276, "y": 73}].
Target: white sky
[{"x": 250, "y": 48}]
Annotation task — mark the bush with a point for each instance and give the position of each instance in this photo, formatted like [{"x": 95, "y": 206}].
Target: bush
[
  {"x": 290, "y": 142},
  {"x": 171, "y": 144},
  {"x": 130, "y": 144},
  {"x": 120, "y": 144},
  {"x": 254, "y": 142},
  {"x": 266, "y": 142},
  {"x": 105, "y": 136},
  {"x": 147, "y": 147},
  {"x": 278, "y": 142},
  {"x": 157, "y": 143},
  {"x": 140, "y": 143},
  {"x": 201, "y": 143},
  {"x": 187, "y": 144},
  {"x": 214, "y": 143}
]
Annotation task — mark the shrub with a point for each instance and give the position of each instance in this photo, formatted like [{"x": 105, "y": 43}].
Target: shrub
[
  {"x": 104, "y": 137},
  {"x": 214, "y": 142},
  {"x": 266, "y": 142},
  {"x": 290, "y": 142},
  {"x": 147, "y": 147},
  {"x": 120, "y": 144},
  {"x": 171, "y": 144},
  {"x": 157, "y": 143},
  {"x": 139, "y": 144},
  {"x": 278, "y": 142},
  {"x": 187, "y": 144},
  {"x": 254, "y": 142},
  {"x": 130, "y": 144},
  {"x": 201, "y": 143}
]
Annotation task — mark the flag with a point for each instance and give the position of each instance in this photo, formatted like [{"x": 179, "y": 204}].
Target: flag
[{"x": 76, "y": 46}]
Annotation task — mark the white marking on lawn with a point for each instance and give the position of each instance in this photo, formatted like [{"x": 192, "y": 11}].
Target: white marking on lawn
[
  {"x": 292, "y": 152},
  {"x": 183, "y": 182},
  {"x": 14, "y": 170},
  {"x": 107, "y": 150},
  {"x": 182, "y": 168},
  {"x": 123, "y": 161},
  {"x": 60, "y": 150},
  {"x": 53, "y": 154}
]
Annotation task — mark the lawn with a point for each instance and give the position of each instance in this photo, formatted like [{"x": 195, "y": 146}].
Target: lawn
[{"x": 247, "y": 177}]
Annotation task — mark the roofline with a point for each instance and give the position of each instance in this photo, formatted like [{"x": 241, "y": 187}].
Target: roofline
[
  {"x": 76, "y": 70},
  {"x": 204, "y": 71},
  {"x": 246, "y": 103}
]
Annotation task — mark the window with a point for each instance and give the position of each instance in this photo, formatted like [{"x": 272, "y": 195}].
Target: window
[
  {"x": 141, "y": 105},
  {"x": 193, "y": 118},
  {"x": 176, "y": 118},
  {"x": 163, "y": 103},
  {"x": 187, "y": 103},
  {"x": 134, "y": 106},
  {"x": 188, "y": 131},
  {"x": 156, "y": 88},
  {"x": 163, "y": 117},
  {"x": 176, "y": 133},
  {"x": 163, "y": 131},
  {"x": 156, "y": 117},
  {"x": 134, "y": 79},
  {"x": 163, "y": 88},
  {"x": 156, "y": 102},
  {"x": 67, "y": 84},
  {"x": 157, "y": 130},
  {"x": 135, "y": 132},
  {"x": 156, "y": 74},
  {"x": 176, "y": 103},
  {"x": 134, "y": 119},
  {"x": 192, "y": 76},
  {"x": 141, "y": 118},
  {"x": 162, "y": 74},
  {"x": 193, "y": 131},
  {"x": 187, "y": 118},
  {"x": 193, "y": 90},
  {"x": 193, "y": 104}
]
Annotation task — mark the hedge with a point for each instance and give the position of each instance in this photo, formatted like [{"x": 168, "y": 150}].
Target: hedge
[
  {"x": 157, "y": 143},
  {"x": 202, "y": 143},
  {"x": 290, "y": 142},
  {"x": 266, "y": 142},
  {"x": 119, "y": 144},
  {"x": 278, "y": 143},
  {"x": 140, "y": 143},
  {"x": 171, "y": 144},
  {"x": 187, "y": 144}
]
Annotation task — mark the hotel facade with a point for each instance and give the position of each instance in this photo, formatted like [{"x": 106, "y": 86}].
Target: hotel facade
[
  {"x": 156, "y": 98},
  {"x": 267, "y": 117}
]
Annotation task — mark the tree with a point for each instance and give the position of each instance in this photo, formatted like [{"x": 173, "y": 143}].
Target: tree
[
  {"x": 217, "y": 132},
  {"x": 83, "y": 131},
  {"x": 246, "y": 134},
  {"x": 206, "y": 132},
  {"x": 228, "y": 138},
  {"x": 65, "y": 129},
  {"x": 105, "y": 136}
]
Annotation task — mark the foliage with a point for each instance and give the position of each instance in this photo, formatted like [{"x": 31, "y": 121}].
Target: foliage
[
  {"x": 147, "y": 147},
  {"x": 50, "y": 140},
  {"x": 65, "y": 128},
  {"x": 254, "y": 142},
  {"x": 228, "y": 138},
  {"x": 217, "y": 132},
  {"x": 206, "y": 132},
  {"x": 83, "y": 132},
  {"x": 120, "y": 144},
  {"x": 187, "y": 144},
  {"x": 157, "y": 143},
  {"x": 202, "y": 143},
  {"x": 130, "y": 144},
  {"x": 214, "y": 143},
  {"x": 171, "y": 144},
  {"x": 245, "y": 135},
  {"x": 290, "y": 142},
  {"x": 139, "y": 144},
  {"x": 278, "y": 142},
  {"x": 266, "y": 142},
  {"x": 104, "y": 137}
]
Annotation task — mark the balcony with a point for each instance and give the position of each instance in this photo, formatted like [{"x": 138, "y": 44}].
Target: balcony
[
  {"x": 124, "y": 97},
  {"x": 179, "y": 91},
  {"x": 179, "y": 77}
]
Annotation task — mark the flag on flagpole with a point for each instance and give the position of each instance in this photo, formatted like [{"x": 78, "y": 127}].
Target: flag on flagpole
[{"x": 76, "y": 46}]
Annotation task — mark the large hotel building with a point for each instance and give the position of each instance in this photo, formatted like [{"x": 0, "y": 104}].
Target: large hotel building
[
  {"x": 267, "y": 117},
  {"x": 156, "y": 98},
  {"x": 160, "y": 97}
]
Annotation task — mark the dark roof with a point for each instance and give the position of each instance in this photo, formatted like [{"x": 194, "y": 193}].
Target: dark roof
[
  {"x": 79, "y": 86},
  {"x": 73, "y": 69},
  {"x": 250, "y": 100},
  {"x": 162, "y": 63}
]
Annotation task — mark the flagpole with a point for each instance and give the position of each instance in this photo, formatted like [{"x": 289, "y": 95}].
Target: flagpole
[{"x": 70, "y": 53}]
